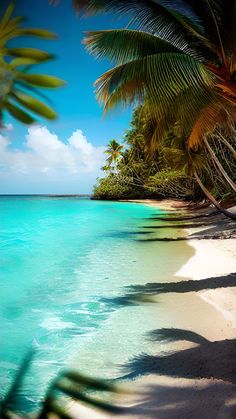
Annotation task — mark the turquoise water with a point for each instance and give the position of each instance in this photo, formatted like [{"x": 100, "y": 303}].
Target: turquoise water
[{"x": 58, "y": 258}]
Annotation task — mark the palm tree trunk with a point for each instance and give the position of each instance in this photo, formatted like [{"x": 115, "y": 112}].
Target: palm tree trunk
[
  {"x": 219, "y": 165},
  {"x": 212, "y": 199},
  {"x": 224, "y": 141}
]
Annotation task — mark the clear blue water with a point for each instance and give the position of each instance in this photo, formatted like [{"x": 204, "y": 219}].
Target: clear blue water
[{"x": 58, "y": 258}]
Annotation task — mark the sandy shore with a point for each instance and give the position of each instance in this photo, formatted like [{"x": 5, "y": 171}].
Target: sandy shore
[
  {"x": 165, "y": 204},
  {"x": 210, "y": 313}
]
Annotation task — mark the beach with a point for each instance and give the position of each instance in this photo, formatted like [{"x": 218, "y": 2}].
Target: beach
[{"x": 205, "y": 387}]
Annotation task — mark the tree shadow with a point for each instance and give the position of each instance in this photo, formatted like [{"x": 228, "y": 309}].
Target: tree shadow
[
  {"x": 211, "y": 401},
  {"x": 184, "y": 217},
  {"x": 187, "y": 399},
  {"x": 137, "y": 294},
  {"x": 188, "y": 225},
  {"x": 214, "y": 226},
  {"x": 207, "y": 360}
]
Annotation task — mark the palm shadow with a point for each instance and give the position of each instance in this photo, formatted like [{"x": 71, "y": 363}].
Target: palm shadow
[
  {"x": 206, "y": 359},
  {"x": 137, "y": 294},
  {"x": 177, "y": 402}
]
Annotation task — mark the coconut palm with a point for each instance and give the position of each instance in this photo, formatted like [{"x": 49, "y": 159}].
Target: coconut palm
[
  {"x": 19, "y": 94},
  {"x": 114, "y": 152},
  {"x": 181, "y": 58}
]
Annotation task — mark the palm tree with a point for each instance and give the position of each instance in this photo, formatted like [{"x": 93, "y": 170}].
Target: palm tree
[
  {"x": 18, "y": 86},
  {"x": 196, "y": 165},
  {"x": 180, "y": 60},
  {"x": 114, "y": 151}
]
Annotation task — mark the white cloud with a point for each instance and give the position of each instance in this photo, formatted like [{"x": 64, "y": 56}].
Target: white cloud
[{"x": 46, "y": 157}]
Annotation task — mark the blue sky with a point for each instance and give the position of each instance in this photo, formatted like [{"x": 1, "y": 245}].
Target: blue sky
[{"x": 52, "y": 158}]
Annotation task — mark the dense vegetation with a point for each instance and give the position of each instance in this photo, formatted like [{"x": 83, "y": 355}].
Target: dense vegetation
[
  {"x": 131, "y": 171},
  {"x": 179, "y": 62}
]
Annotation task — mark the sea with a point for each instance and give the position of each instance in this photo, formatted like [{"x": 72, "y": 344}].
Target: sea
[{"x": 64, "y": 261}]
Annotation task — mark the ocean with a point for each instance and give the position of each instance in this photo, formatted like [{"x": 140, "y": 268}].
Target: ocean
[{"x": 63, "y": 260}]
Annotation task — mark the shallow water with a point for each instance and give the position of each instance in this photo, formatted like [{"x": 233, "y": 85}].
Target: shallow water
[{"x": 59, "y": 257}]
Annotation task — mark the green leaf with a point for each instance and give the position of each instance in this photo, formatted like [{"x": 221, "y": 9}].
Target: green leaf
[
  {"x": 122, "y": 45},
  {"x": 152, "y": 76},
  {"x": 34, "y": 105},
  {"x": 33, "y": 53},
  {"x": 40, "y": 33},
  {"x": 42, "y": 80},
  {"x": 7, "y": 15},
  {"x": 21, "y": 61},
  {"x": 18, "y": 113}
]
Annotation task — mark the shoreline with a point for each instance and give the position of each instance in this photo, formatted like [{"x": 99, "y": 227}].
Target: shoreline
[
  {"x": 164, "y": 204},
  {"x": 215, "y": 320},
  {"x": 210, "y": 252}
]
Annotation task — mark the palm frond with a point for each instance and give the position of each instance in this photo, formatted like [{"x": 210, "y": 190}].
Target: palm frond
[
  {"x": 152, "y": 76},
  {"x": 33, "y": 104},
  {"x": 122, "y": 45},
  {"x": 40, "y": 80},
  {"x": 15, "y": 71},
  {"x": 215, "y": 114},
  {"x": 151, "y": 16}
]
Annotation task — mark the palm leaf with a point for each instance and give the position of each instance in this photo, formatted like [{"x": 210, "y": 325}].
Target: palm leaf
[
  {"x": 124, "y": 45},
  {"x": 6, "y": 17},
  {"x": 41, "y": 80},
  {"x": 14, "y": 70},
  {"x": 151, "y": 16},
  {"x": 18, "y": 113},
  {"x": 31, "y": 53},
  {"x": 34, "y": 105},
  {"x": 210, "y": 116},
  {"x": 151, "y": 76},
  {"x": 39, "y": 33}
]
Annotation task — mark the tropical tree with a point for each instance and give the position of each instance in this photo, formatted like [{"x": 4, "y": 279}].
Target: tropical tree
[
  {"x": 139, "y": 174},
  {"x": 114, "y": 152},
  {"x": 19, "y": 87},
  {"x": 179, "y": 58},
  {"x": 195, "y": 164}
]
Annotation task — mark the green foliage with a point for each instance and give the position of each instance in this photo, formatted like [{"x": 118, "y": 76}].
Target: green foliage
[
  {"x": 18, "y": 86},
  {"x": 179, "y": 60},
  {"x": 139, "y": 175},
  {"x": 111, "y": 187},
  {"x": 173, "y": 184}
]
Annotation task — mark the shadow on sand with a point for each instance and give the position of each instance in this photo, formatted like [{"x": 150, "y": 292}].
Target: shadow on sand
[
  {"x": 187, "y": 400},
  {"x": 206, "y": 399},
  {"x": 141, "y": 293},
  {"x": 206, "y": 360},
  {"x": 209, "y": 401}
]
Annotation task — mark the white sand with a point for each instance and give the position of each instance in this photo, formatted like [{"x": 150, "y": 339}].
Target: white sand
[
  {"x": 214, "y": 258},
  {"x": 211, "y": 313}
]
